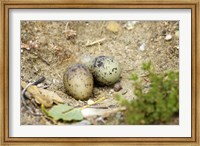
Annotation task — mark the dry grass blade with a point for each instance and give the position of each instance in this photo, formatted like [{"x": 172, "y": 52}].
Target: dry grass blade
[{"x": 95, "y": 42}]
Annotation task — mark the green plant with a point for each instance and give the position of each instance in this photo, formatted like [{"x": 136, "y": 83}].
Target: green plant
[{"x": 155, "y": 104}]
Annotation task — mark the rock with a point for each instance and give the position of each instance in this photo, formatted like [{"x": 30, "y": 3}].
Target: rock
[
  {"x": 130, "y": 25},
  {"x": 124, "y": 91},
  {"x": 117, "y": 87},
  {"x": 168, "y": 37},
  {"x": 90, "y": 101},
  {"x": 113, "y": 26},
  {"x": 142, "y": 47}
]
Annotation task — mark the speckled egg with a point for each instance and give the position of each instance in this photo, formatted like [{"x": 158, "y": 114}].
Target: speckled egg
[
  {"x": 87, "y": 60},
  {"x": 78, "y": 82},
  {"x": 106, "y": 70}
]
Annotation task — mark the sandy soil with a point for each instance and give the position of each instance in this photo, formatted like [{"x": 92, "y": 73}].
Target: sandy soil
[{"x": 49, "y": 47}]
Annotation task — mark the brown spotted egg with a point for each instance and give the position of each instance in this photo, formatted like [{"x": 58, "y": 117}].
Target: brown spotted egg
[
  {"x": 106, "y": 70},
  {"x": 78, "y": 82}
]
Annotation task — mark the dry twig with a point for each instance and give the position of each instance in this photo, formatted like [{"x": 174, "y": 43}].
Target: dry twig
[{"x": 95, "y": 42}]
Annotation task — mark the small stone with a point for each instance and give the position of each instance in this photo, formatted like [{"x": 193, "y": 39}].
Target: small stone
[
  {"x": 124, "y": 91},
  {"x": 168, "y": 37},
  {"x": 111, "y": 92},
  {"x": 142, "y": 47},
  {"x": 113, "y": 26},
  {"x": 90, "y": 101},
  {"x": 117, "y": 87},
  {"x": 130, "y": 25}
]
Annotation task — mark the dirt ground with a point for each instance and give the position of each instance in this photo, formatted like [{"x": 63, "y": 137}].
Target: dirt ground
[{"x": 49, "y": 47}]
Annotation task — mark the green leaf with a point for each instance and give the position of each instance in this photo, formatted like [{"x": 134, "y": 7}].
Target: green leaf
[
  {"x": 156, "y": 104},
  {"x": 134, "y": 77},
  {"x": 146, "y": 66},
  {"x": 65, "y": 112},
  {"x": 121, "y": 99}
]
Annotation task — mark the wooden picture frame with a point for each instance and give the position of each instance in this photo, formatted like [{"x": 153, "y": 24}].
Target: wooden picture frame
[{"x": 4, "y": 81}]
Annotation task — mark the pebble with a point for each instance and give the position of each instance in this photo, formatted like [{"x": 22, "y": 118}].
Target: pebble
[
  {"x": 90, "y": 101},
  {"x": 130, "y": 25},
  {"x": 124, "y": 91},
  {"x": 142, "y": 47},
  {"x": 117, "y": 87},
  {"x": 113, "y": 26},
  {"x": 168, "y": 37},
  {"x": 111, "y": 92}
]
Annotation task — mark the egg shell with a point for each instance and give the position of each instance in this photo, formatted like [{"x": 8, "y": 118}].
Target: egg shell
[
  {"x": 78, "y": 82},
  {"x": 88, "y": 61},
  {"x": 106, "y": 70}
]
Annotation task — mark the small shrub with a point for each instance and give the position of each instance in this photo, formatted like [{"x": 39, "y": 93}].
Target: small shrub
[{"x": 155, "y": 104}]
